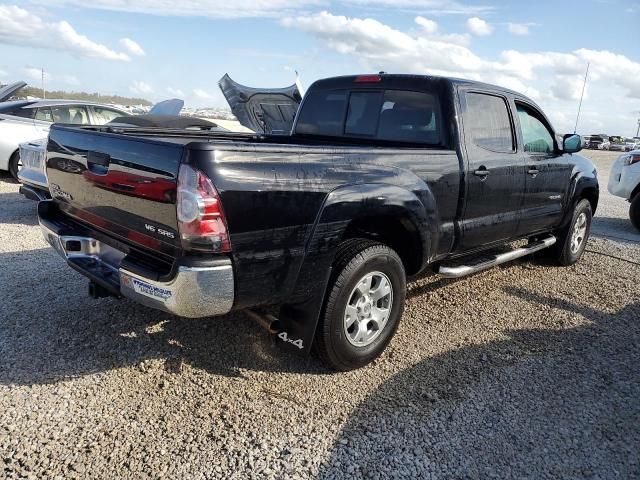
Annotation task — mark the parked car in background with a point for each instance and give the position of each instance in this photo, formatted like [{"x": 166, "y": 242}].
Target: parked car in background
[
  {"x": 599, "y": 142},
  {"x": 631, "y": 144},
  {"x": 26, "y": 120},
  {"x": 624, "y": 181},
  {"x": 32, "y": 172},
  {"x": 618, "y": 145}
]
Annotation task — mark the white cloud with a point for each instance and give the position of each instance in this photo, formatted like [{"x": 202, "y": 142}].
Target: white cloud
[
  {"x": 140, "y": 88},
  {"x": 479, "y": 27},
  {"x": 131, "y": 47},
  {"x": 202, "y": 94},
  {"x": 34, "y": 73},
  {"x": 22, "y": 28},
  {"x": 429, "y": 26},
  {"x": 194, "y": 8},
  {"x": 261, "y": 8},
  {"x": 553, "y": 79},
  {"x": 176, "y": 92},
  {"x": 518, "y": 28},
  {"x": 435, "y": 7}
]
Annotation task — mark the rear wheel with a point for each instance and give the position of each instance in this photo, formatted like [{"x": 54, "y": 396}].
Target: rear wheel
[
  {"x": 573, "y": 239},
  {"x": 634, "y": 211},
  {"x": 15, "y": 165},
  {"x": 364, "y": 304}
]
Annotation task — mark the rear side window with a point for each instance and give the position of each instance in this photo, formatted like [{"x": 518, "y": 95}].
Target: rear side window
[
  {"x": 104, "y": 115},
  {"x": 44, "y": 114},
  {"x": 388, "y": 115},
  {"x": 489, "y": 123}
]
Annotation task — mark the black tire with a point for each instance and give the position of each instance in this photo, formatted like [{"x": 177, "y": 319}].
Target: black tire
[
  {"x": 564, "y": 252},
  {"x": 634, "y": 211},
  {"x": 13, "y": 165},
  {"x": 355, "y": 259}
]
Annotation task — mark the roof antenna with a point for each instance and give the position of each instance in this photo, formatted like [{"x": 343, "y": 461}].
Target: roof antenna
[{"x": 581, "y": 97}]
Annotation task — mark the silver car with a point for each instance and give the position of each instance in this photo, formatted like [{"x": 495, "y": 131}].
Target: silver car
[{"x": 27, "y": 120}]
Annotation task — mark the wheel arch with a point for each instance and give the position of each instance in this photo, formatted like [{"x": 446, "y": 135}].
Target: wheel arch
[{"x": 370, "y": 211}]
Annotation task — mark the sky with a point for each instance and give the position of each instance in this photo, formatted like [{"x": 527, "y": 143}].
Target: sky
[{"x": 159, "y": 49}]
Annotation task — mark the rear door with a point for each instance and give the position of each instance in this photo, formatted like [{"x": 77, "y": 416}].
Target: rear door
[
  {"x": 495, "y": 175},
  {"x": 548, "y": 171}
]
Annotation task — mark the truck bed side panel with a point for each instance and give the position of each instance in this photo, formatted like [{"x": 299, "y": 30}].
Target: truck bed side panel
[{"x": 274, "y": 196}]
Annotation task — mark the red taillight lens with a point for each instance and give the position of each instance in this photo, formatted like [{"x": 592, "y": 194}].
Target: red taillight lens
[
  {"x": 634, "y": 159},
  {"x": 368, "y": 79},
  {"x": 201, "y": 221}
]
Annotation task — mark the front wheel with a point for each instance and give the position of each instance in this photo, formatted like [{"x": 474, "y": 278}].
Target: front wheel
[
  {"x": 634, "y": 211},
  {"x": 14, "y": 165},
  {"x": 364, "y": 304},
  {"x": 573, "y": 239}
]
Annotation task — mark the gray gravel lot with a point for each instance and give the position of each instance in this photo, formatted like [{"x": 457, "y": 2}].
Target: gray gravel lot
[{"x": 523, "y": 371}]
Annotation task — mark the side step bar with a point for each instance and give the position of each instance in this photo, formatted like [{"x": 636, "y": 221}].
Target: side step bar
[{"x": 464, "y": 270}]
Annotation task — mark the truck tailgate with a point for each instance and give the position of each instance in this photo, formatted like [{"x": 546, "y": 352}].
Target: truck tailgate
[{"x": 125, "y": 186}]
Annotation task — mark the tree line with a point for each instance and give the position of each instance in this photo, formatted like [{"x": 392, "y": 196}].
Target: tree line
[{"x": 84, "y": 96}]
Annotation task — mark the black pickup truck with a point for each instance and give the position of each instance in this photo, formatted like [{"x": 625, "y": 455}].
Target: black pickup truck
[{"x": 382, "y": 177}]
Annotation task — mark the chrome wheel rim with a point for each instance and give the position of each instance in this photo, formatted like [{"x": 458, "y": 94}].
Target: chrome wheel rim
[
  {"x": 368, "y": 309},
  {"x": 579, "y": 232}
]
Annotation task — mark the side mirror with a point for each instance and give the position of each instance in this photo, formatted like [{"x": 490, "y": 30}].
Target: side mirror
[{"x": 572, "y": 143}]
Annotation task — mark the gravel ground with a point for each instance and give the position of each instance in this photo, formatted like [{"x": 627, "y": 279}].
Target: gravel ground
[{"x": 523, "y": 371}]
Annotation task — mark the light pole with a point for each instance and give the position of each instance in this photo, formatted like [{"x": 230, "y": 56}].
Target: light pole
[{"x": 638, "y": 131}]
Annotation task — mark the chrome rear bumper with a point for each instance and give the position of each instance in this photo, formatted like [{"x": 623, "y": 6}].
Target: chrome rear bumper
[{"x": 192, "y": 292}]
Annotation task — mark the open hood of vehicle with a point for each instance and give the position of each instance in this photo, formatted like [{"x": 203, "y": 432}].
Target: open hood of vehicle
[
  {"x": 263, "y": 110},
  {"x": 8, "y": 91}
]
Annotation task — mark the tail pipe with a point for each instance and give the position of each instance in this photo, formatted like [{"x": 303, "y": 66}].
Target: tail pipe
[{"x": 265, "y": 320}]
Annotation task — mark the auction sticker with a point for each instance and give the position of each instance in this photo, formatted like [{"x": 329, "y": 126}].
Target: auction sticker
[{"x": 146, "y": 289}]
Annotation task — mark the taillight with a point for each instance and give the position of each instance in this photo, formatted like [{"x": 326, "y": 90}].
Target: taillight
[
  {"x": 368, "y": 79},
  {"x": 201, "y": 221}
]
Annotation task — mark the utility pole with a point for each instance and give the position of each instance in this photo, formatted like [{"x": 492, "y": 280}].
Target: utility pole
[
  {"x": 44, "y": 94},
  {"x": 638, "y": 131},
  {"x": 581, "y": 97}
]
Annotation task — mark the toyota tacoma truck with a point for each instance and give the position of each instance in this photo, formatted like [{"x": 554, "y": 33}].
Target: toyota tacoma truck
[{"x": 316, "y": 232}]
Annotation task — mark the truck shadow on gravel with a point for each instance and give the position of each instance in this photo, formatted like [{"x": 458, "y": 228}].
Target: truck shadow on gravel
[
  {"x": 50, "y": 330},
  {"x": 618, "y": 229},
  {"x": 16, "y": 209},
  {"x": 539, "y": 404}
]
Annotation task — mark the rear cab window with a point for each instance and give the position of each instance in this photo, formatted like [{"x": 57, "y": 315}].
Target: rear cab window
[{"x": 385, "y": 115}]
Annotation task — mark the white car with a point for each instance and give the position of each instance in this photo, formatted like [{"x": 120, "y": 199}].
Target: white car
[
  {"x": 624, "y": 181},
  {"x": 26, "y": 120}
]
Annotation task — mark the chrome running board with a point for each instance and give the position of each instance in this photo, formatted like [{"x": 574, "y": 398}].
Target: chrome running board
[{"x": 464, "y": 270}]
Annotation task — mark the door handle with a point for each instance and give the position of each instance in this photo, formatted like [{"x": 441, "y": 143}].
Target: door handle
[
  {"x": 533, "y": 172},
  {"x": 482, "y": 172}
]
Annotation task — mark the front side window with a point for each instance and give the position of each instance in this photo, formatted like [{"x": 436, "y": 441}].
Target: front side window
[
  {"x": 105, "y": 115},
  {"x": 70, "y": 114},
  {"x": 489, "y": 122},
  {"x": 536, "y": 137}
]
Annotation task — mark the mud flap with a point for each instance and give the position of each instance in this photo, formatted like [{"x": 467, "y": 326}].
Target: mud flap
[{"x": 298, "y": 322}]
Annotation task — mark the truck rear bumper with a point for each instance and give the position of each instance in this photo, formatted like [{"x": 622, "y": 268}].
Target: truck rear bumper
[{"x": 193, "y": 291}]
